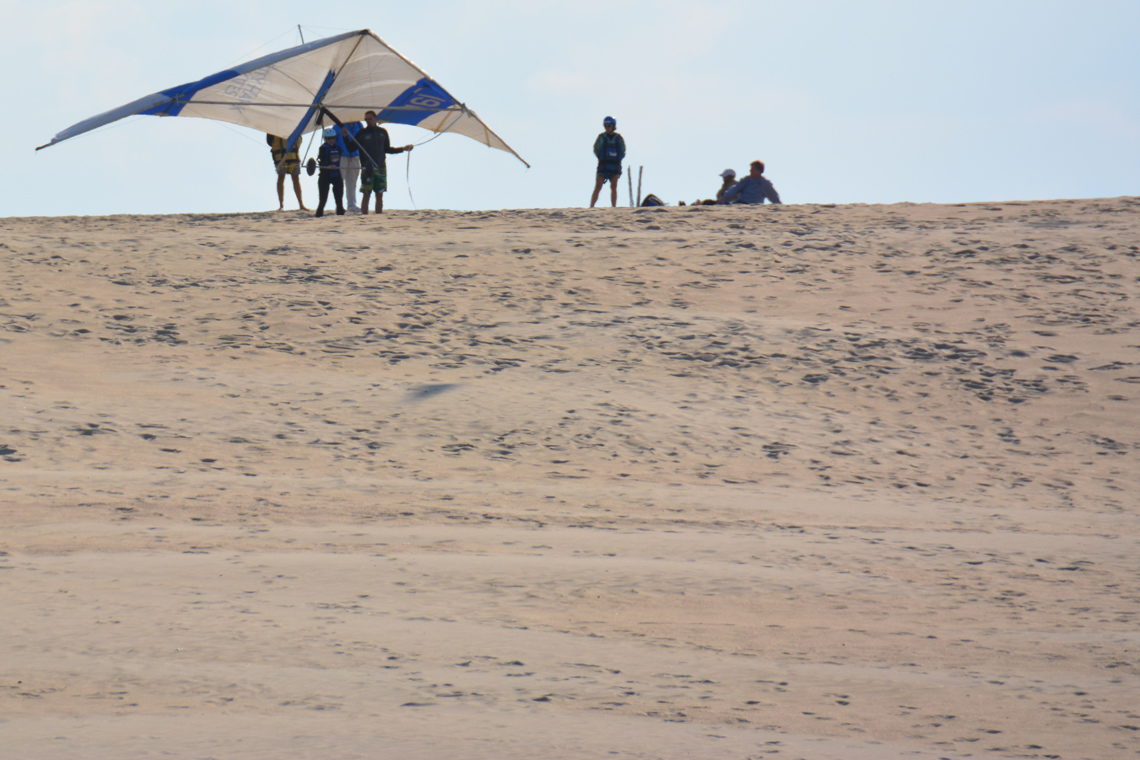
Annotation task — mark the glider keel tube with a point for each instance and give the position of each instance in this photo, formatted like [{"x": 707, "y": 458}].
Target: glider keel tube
[{"x": 302, "y": 127}]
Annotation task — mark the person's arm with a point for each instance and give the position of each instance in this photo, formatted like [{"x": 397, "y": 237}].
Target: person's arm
[
  {"x": 388, "y": 145},
  {"x": 276, "y": 147},
  {"x": 621, "y": 148},
  {"x": 350, "y": 136},
  {"x": 773, "y": 196},
  {"x": 598, "y": 147},
  {"x": 342, "y": 139}
]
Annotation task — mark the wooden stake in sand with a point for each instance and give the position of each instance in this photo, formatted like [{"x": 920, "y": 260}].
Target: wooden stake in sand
[
  {"x": 630, "y": 178},
  {"x": 640, "y": 170}
]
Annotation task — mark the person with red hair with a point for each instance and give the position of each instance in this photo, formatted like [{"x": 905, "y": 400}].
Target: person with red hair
[{"x": 755, "y": 188}]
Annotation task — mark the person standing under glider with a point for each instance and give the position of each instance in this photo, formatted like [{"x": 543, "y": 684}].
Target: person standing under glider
[
  {"x": 609, "y": 148},
  {"x": 287, "y": 162},
  {"x": 329, "y": 159},
  {"x": 374, "y": 145},
  {"x": 349, "y": 162}
]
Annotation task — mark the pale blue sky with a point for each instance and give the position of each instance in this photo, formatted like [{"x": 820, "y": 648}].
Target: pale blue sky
[{"x": 877, "y": 101}]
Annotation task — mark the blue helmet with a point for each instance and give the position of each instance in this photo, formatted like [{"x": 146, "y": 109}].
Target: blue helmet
[
  {"x": 609, "y": 120},
  {"x": 330, "y": 132}
]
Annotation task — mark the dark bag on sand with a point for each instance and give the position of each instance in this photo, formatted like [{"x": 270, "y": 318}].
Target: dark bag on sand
[{"x": 652, "y": 200}]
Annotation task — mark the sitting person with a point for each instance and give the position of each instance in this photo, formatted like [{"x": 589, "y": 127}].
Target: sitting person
[
  {"x": 755, "y": 188},
  {"x": 728, "y": 179}
]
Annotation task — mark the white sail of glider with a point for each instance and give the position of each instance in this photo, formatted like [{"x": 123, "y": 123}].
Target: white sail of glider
[{"x": 295, "y": 91}]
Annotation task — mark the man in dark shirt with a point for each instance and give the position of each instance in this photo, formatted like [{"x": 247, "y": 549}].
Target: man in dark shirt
[{"x": 375, "y": 145}]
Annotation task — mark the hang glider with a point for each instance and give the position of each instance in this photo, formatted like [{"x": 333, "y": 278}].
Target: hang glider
[{"x": 295, "y": 91}]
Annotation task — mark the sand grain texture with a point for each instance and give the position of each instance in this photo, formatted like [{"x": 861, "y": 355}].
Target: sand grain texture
[{"x": 812, "y": 482}]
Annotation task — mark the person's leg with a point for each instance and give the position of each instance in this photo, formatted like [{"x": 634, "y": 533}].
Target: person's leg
[
  {"x": 366, "y": 183},
  {"x": 597, "y": 190},
  {"x": 280, "y": 191},
  {"x": 322, "y": 194},
  {"x": 613, "y": 189},
  {"x": 297, "y": 189},
  {"x": 343, "y": 166},
  {"x": 353, "y": 186},
  {"x": 380, "y": 186},
  {"x": 338, "y": 194},
  {"x": 350, "y": 174}
]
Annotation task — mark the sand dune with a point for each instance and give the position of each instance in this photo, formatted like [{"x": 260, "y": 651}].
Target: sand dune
[{"x": 791, "y": 482}]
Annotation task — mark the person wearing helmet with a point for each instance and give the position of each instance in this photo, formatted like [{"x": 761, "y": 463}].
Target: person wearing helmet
[
  {"x": 328, "y": 158},
  {"x": 609, "y": 148}
]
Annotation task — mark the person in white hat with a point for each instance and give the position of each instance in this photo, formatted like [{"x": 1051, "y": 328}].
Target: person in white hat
[{"x": 728, "y": 179}]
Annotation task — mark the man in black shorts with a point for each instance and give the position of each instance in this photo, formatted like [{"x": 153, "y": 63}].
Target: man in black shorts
[{"x": 609, "y": 148}]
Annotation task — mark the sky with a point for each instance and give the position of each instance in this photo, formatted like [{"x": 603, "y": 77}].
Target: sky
[{"x": 876, "y": 101}]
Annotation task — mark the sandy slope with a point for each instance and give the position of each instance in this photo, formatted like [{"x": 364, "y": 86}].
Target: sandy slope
[{"x": 798, "y": 482}]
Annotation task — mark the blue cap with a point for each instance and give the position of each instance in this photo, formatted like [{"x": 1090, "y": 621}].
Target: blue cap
[{"x": 609, "y": 120}]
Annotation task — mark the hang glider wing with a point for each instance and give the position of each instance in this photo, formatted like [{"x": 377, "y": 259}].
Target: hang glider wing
[{"x": 287, "y": 93}]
